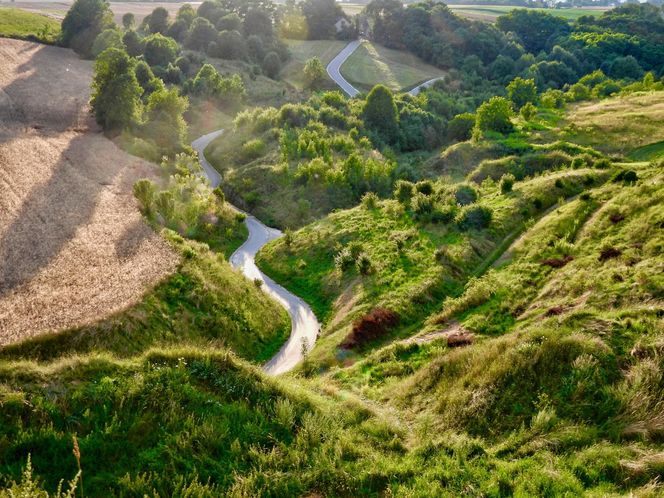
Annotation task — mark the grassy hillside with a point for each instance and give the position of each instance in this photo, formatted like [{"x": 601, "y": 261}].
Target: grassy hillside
[
  {"x": 203, "y": 303},
  {"x": 372, "y": 64},
  {"x": 16, "y": 23},
  {"x": 303, "y": 50}
]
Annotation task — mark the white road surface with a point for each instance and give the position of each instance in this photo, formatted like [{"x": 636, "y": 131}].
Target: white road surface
[
  {"x": 334, "y": 71},
  {"x": 304, "y": 325}
]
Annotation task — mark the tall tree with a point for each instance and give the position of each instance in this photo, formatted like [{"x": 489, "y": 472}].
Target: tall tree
[
  {"x": 321, "y": 16},
  {"x": 115, "y": 91},
  {"x": 83, "y": 23},
  {"x": 380, "y": 113}
]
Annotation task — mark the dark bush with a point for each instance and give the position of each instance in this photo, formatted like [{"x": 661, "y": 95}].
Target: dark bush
[
  {"x": 460, "y": 128},
  {"x": 465, "y": 195},
  {"x": 625, "y": 176},
  {"x": 371, "y": 326},
  {"x": 475, "y": 217},
  {"x": 424, "y": 187},
  {"x": 506, "y": 183},
  {"x": 557, "y": 262},
  {"x": 602, "y": 164},
  {"x": 609, "y": 253}
]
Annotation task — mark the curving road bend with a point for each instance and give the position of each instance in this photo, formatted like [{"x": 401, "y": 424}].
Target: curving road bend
[
  {"x": 334, "y": 71},
  {"x": 334, "y": 68},
  {"x": 304, "y": 325}
]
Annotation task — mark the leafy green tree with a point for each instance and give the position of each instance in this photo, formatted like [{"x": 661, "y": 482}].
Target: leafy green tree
[
  {"x": 272, "y": 65},
  {"x": 209, "y": 83},
  {"x": 115, "y": 91},
  {"x": 157, "y": 21},
  {"x": 256, "y": 48},
  {"x": 133, "y": 43},
  {"x": 128, "y": 20},
  {"x": 314, "y": 73},
  {"x": 165, "y": 123},
  {"x": 321, "y": 16},
  {"x": 460, "y": 127},
  {"x": 535, "y": 28},
  {"x": 160, "y": 50},
  {"x": 146, "y": 79},
  {"x": 380, "y": 113},
  {"x": 521, "y": 91},
  {"x": 83, "y": 23},
  {"x": 201, "y": 34},
  {"x": 230, "y": 22},
  {"x": 186, "y": 14},
  {"x": 626, "y": 67},
  {"x": 493, "y": 116},
  {"x": 258, "y": 22},
  {"x": 107, "y": 39},
  {"x": 231, "y": 45}
]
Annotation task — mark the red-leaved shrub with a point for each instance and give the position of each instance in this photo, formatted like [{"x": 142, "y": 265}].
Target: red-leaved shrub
[{"x": 371, "y": 326}]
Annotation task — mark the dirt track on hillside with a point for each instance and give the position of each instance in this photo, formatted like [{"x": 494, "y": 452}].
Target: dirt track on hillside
[{"x": 73, "y": 246}]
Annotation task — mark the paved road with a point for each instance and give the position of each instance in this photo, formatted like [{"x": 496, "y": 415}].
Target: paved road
[
  {"x": 334, "y": 71},
  {"x": 334, "y": 68},
  {"x": 304, "y": 325}
]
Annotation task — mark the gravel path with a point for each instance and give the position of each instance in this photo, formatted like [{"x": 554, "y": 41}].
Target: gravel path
[{"x": 304, "y": 325}]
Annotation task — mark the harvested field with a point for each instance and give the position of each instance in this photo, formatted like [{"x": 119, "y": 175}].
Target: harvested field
[{"x": 73, "y": 246}]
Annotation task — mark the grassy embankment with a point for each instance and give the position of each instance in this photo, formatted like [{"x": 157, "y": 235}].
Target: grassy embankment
[
  {"x": 16, "y": 23},
  {"x": 372, "y": 64}
]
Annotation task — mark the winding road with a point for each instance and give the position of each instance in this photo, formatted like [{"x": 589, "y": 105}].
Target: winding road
[
  {"x": 304, "y": 325},
  {"x": 334, "y": 72}
]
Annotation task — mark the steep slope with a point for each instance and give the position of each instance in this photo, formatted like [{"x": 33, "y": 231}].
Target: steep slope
[{"x": 73, "y": 246}]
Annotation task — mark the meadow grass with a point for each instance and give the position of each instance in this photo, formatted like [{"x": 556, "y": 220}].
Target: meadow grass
[
  {"x": 372, "y": 64},
  {"x": 16, "y": 23}
]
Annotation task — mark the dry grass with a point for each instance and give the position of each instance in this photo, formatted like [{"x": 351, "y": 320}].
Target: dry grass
[
  {"x": 618, "y": 124},
  {"x": 73, "y": 246}
]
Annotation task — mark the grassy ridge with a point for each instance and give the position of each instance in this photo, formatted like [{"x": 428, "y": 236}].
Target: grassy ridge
[
  {"x": 16, "y": 23},
  {"x": 491, "y": 12},
  {"x": 204, "y": 303}
]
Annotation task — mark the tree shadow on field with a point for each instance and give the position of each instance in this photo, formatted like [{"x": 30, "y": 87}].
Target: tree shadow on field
[{"x": 57, "y": 206}]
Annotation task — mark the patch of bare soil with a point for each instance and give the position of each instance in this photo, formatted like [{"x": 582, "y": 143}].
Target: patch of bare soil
[{"x": 73, "y": 246}]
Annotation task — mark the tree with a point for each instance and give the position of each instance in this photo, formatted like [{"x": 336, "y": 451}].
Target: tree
[
  {"x": 160, "y": 50},
  {"x": 83, "y": 23},
  {"x": 133, "y": 43},
  {"x": 493, "y": 116},
  {"x": 201, "y": 34},
  {"x": 380, "y": 113},
  {"x": 165, "y": 124},
  {"x": 272, "y": 65},
  {"x": 128, "y": 20},
  {"x": 230, "y": 45},
  {"x": 258, "y": 22},
  {"x": 535, "y": 29},
  {"x": 321, "y": 16},
  {"x": 626, "y": 67},
  {"x": 209, "y": 83},
  {"x": 460, "y": 128},
  {"x": 107, "y": 39},
  {"x": 186, "y": 14},
  {"x": 115, "y": 90},
  {"x": 314, "y": 73},
  {"x": 230, "y": 22},
  {"x": 157, "y": 21},
  {"x": 522, "y": 91},
  {"x": 147, "y": 80}
]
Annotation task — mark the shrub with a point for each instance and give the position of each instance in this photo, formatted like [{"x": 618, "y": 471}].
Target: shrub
[
  {"x": 506, "y": 183},
  {"x": 343, "y": 260},
  {"x": 528, "y": 111},
  {"x": 422, "y": 205},
  {"x": 578, "y": 163},
  {"x": 474, "y": 218},
  {"x": 625, "y": 176},
  {"x": 602, "y": 164},
  {"x": 494, "y": 116},
  {"x": 465, "y": 194},
  {"x": 253, "y": 149},
  {"x": 404, "y": 191},
  {"x": 314, "y": 73},
  {"x": 371, "y": 326},
  {"x": 553, "y": 99},
  {"x": 144, "y": 191},
  {"x": 522, "y": 92},
  {"x": 443, "y": 214},
  {"x": 160, "y": 50},
  {"x": 363, "y": 264},
  {"x": 460, "y": 128},
  {"x": 537, "y": 202},
  {"x": 272, "y": 65},
  {"x": 370, "y": 200},
  {"x": 424, "y": 187}
]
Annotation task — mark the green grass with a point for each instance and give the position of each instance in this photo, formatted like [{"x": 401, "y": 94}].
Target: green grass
[
  {"x": 491, "y": 12},
  {"x": 204, "y": 303},
  {"x": 302, "y": 51},
  {"x": 617, "y": 125},
  {"x": 15, "y": 23},
  {"x": 371, "y": 64},
  {"x": 648, "y": 152}
]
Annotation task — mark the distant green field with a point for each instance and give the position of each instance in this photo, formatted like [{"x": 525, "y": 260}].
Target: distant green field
[
  {"x": 352, "y": 8},
  {"x": 372, "y": 64},
  {"x": 648, "y": 152},
  {"x": 15, "y": 23},
  {"x": 491, "y": 12}
]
